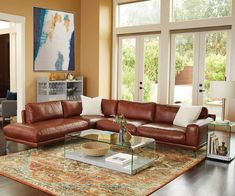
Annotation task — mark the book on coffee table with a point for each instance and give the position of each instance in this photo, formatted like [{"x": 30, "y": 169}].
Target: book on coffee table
[
  {"x": 107, "y": 135},
  {"x": 120, "y": 158}
]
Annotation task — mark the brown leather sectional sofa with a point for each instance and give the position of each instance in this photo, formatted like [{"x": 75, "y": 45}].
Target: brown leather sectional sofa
[{"x": 48, "y": 122}]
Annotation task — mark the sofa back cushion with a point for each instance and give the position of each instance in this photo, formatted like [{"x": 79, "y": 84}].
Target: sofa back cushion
[
  {"x": 167, "y": 113},
  {"x": 109, "y": 107},
  {"x": 204, "y": 113},
  {"x": 71, "y": 108},
  {"x": 35, "y": 112},
  {"x": 136, "y": 110}
]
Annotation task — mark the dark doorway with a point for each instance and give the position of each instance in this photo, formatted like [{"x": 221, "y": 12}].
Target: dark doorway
[{"x": 4, "y": 64}]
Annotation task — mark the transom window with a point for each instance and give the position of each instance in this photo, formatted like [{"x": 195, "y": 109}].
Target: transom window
[
  {"x": 139, "y": 13},
  {"x": 185, "y": 10}
]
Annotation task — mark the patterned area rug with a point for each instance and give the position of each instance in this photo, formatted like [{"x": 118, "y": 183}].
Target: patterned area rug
[{"x": 46, "y": 169}]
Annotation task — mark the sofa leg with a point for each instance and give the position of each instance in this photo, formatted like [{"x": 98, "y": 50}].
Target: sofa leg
[{"x": 195, "y": 153}]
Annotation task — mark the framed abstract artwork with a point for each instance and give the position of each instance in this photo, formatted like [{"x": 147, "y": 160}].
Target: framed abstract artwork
[{"x": 53, "y": 40}]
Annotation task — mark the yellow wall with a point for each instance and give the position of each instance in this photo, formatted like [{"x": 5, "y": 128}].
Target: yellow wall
[
  {"x": 96, "y": 39},
  {"x": 89, "y": 59},
  {"x": 105, "y": 48},
  {"x": 25, "y": 8},
  {"x": 93, "y": 38}
]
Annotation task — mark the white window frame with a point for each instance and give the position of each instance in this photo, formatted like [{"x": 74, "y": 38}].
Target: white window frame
[{"x": 165, "y": 27}]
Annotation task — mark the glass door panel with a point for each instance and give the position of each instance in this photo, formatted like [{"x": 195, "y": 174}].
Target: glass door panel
[
  {"x": 183, "y": 68},
  {"x": 150, "y": 73},
  {"x": 138, "y": 68},
  {"x": 127, "y": 70},
  {"x": 197, "y": 59},
  {"x": 215, "y": 68}
]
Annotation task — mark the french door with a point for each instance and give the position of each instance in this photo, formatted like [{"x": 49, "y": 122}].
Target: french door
[
  {"x": 196, "y": 59},
  {"x": 138, "y": 68}
]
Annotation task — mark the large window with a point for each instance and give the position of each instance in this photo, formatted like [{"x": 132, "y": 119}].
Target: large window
[
  {"x": 169, "y": 50},
  {"x": 139, "y": 13},
  {"x": 184, "y": 10}
]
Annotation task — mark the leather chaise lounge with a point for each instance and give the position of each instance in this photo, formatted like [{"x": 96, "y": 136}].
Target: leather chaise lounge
[{"x": 48, "y": 122}]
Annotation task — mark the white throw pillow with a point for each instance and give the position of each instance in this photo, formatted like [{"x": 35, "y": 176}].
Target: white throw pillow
[
  {"x": 186, "y": 115},
  {"x": 91, "y": 106}
]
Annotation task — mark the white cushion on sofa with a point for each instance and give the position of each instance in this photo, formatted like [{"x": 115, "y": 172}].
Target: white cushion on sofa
[
  {"x": 91, "y": 106},
  {"x": 186, "y": 115}
]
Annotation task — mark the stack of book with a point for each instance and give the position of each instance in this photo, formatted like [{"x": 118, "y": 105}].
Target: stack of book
[
  {"x": 213, "y": 143},
  {"x": 120, "y": 158},
  {"x": 107, "y": 136}
]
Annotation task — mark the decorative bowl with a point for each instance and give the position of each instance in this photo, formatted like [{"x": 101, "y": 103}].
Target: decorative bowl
[{"x": 95, "y": 149}]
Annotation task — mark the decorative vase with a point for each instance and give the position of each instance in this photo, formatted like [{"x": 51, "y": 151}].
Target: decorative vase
[
  {"x": 127, "y": 136},
  {"x": 222, "y": 150},
  {"x": 70, "y": 76},
  {"x": 121, "y": 135}
]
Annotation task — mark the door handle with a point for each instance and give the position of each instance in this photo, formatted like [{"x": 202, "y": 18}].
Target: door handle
[
  {"x": 201, "y": 90},
  {"x": 178, "y": 102}
]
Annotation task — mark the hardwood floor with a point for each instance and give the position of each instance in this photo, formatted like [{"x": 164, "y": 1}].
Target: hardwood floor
[
  {"x": 209, "y": 178},
  {"x": 10, "y": 187}
]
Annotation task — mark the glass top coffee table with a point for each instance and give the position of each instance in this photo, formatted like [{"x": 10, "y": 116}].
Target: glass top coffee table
[{"x": 103, "y": 149}]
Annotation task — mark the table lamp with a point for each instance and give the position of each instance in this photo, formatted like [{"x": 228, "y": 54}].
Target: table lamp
[{"x": 223, "y": 90}]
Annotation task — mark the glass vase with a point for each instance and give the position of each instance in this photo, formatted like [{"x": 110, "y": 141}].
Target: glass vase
[{"x": 121, "y": 135}]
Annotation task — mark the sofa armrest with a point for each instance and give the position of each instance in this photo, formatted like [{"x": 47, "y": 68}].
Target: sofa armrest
[
  {"x": 213, "y": 116},
  {"x": 196, "y": 135}
]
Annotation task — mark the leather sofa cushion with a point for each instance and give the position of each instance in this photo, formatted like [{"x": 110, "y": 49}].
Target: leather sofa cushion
[
  {"x": 136, "y": 110},
  {"x": 163, "y": 132},
  {"x": 109, "y": 107},
  {"x": 165, "y": 113},
  {"x": 35, "y": 112},
  {"x": 136, "y": 123},
  {"x": 91, "y": 119},
  {"x": 43, "y": 131},
  {"x": 71, "y": 108},
  {"x": 111, "y": 125}
]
